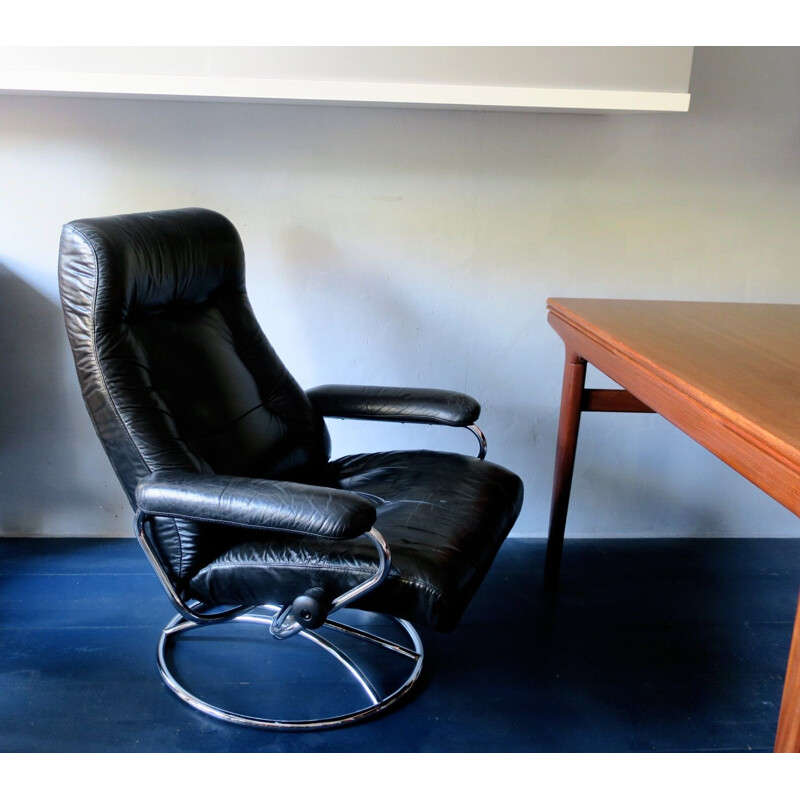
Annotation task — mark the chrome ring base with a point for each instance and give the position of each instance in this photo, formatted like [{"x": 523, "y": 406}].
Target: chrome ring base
[{"x": 373, "y": 700}]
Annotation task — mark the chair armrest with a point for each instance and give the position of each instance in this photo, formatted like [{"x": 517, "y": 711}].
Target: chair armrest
[
  {"x": 395, "y": 404},
  {"x": 256, "y": 503}
]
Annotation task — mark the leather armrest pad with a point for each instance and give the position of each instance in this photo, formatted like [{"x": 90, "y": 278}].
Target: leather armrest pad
[
  {"x": 256, "y": 503},
  {"x": 395, "y": 404}
]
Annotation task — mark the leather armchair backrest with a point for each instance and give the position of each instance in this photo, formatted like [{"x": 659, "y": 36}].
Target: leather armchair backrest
[{"x": 174, "y": 368}]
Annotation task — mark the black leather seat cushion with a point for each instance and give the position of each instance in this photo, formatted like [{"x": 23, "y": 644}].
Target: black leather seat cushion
[{"x": 443, "y": 515}]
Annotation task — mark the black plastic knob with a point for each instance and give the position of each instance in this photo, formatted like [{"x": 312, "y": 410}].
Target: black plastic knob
[{"x": 310, "y": 609}]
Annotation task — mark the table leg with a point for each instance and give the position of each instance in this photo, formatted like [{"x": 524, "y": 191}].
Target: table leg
[
  {"x": 568, "y": 423},
  {"x": 787, "y": 739}
]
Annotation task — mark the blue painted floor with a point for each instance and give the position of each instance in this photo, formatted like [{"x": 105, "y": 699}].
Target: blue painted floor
[{"x": 654, "y": 646}]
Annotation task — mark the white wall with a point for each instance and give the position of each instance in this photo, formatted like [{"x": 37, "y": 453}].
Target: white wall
[{"x": 415, "y": 247}]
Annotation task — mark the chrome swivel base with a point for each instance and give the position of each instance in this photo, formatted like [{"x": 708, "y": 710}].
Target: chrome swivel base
[{"x": 373, "y": 700}]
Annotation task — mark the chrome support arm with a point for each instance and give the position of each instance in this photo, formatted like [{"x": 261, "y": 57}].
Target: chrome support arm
[
  {"x": 285, "y": 624},
  {"x": 481, "y": 440},
  {"x": 186, "y": 611}
]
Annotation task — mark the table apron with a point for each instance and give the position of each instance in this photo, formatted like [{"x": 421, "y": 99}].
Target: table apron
[{"x": 750, "y": 457}]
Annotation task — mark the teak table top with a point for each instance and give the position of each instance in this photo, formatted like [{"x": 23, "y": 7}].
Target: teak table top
[{"x": 727, "y": 374}]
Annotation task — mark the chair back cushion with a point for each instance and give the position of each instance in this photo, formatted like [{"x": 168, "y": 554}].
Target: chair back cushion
[{"x": 174, "y": 368}]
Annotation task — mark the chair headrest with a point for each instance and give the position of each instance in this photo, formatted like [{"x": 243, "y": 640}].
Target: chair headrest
[{"x": 141, "y": 264}]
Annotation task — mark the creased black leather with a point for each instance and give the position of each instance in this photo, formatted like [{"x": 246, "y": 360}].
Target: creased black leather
[
  {"x": 174, "y": 368},
  {"x": 195, "y": 408},
  {"x": 395, "y": 404},
  {"x": 444, "y": 516},
  {"x": 256, "y": 503}
]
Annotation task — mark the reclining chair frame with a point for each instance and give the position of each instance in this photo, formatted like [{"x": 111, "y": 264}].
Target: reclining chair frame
[{"x": 283, "y": 624}]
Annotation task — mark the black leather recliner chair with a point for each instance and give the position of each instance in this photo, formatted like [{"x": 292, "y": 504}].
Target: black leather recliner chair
[{"x": 226, "y": 460}]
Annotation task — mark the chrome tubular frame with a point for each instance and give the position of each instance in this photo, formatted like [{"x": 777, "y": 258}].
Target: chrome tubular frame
[
  {"x": 481, "y": 440},
  {"x": 186, "y": 611},
  {"x": 280, "y": 620},
  {"x": 284, "y": 623},
  {"x": 376, "y": 703}
]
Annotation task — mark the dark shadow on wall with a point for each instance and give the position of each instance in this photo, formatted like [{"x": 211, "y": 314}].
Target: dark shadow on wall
[{"x": 54, "y": 478}]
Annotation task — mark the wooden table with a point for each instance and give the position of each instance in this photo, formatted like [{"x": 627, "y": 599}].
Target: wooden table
[{"x": 726, "y": 374}]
